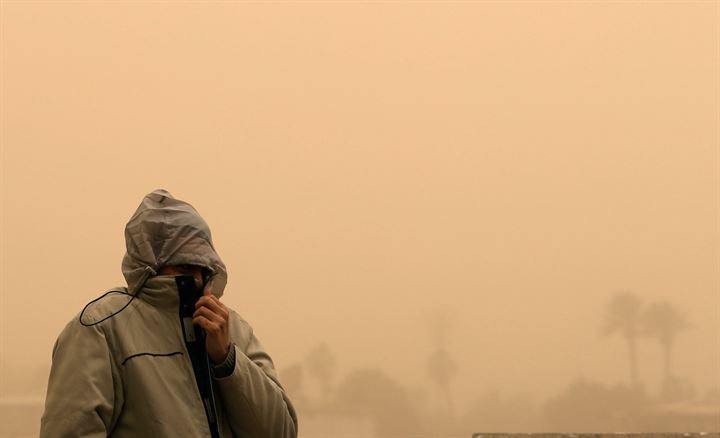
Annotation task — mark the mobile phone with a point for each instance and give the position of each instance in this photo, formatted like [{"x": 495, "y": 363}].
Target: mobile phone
[{"x": 195, "y": 344}]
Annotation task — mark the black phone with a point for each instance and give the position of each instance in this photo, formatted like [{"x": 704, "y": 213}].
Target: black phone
[
  {"x": 189, "y": 294},
  {"x": 195, "y": 344}
]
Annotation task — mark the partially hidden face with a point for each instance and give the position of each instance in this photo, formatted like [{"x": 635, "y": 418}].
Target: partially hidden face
[{"x": 196, "y": 271}]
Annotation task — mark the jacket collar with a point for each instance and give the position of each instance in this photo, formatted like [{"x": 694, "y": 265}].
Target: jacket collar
[{"x": 161, "y": 291}]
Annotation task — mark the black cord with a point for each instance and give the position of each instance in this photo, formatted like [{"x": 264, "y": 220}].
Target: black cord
[
  {"x": 112, "y": 314},
  {"x": 206, "y": 273}
]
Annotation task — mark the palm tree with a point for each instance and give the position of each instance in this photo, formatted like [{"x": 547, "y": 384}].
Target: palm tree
[
  {"x": 441, "y": 367},
  {"x": 442, "y": 370},
  {"x": 663, "y": 321},
  {"x": 622, "y": 315}
]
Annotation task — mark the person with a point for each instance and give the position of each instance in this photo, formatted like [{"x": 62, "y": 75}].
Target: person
[{"x": 121, "y": 366}]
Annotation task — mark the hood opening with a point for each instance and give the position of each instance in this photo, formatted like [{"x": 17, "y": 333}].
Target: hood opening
[{"x": 164, "y": 231}]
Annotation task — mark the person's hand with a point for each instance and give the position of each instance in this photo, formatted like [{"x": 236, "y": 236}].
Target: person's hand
[{"x": 214, "y": 318}]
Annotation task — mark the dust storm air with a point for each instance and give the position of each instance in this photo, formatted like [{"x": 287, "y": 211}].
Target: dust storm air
[{"x": 440, "y": 218}]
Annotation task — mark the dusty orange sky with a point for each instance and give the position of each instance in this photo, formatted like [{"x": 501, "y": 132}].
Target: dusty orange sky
[{"x": 360, "y": 165}]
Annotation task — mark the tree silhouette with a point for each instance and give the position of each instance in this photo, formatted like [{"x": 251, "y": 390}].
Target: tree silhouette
[
  {"x": 322, "y": 366},
  {"x": 374, "y": 394},
  {"x": 441, "y": 367},
  {"x": 292, "y": 381},
  {"x": 622, "y": 315},
  {"x": 491, "y": 410},
  {"x": 587, "y": 406},
  {"x": 663, "y": 321}
]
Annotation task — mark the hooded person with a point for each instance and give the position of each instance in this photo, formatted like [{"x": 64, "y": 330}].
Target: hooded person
[{"x": 121, "y": 366}]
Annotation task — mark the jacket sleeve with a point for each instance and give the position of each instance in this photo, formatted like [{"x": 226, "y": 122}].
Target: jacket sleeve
[
  {"x": 256, "y": 403},
  {"x": 80, "y": 394}
]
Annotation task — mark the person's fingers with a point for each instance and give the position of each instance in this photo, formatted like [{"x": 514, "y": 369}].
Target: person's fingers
[
  {"x": 215, "y": 306},
  {"x": 202, "y": 301},
  {"x": 217, "y": 300},
  {"x": 209, "y": 315},
  {"x": 206, "y": 324},
  {"x": 221, "y": 305}
]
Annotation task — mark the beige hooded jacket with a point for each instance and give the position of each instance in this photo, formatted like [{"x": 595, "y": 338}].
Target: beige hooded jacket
[{"x": 120, "y": 368}]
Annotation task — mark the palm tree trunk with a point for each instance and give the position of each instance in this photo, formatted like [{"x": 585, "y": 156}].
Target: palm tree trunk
[
  {"x": 448, "y": 401},
  {"x": 632, "y": 351},
  {"x": 667, "y": 347}
]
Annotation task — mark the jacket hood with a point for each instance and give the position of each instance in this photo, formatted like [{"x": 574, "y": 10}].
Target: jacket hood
[{"x": 167, "y": 231}]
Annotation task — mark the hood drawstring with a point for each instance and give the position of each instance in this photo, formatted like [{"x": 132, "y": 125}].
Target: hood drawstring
[{"x": 147, "y": 273}]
